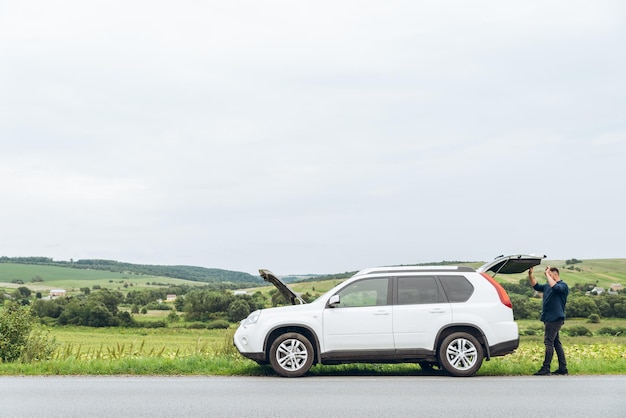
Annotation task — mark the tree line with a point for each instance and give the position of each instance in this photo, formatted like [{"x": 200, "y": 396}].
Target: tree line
[
  {"x": 192, "y": 273},
  {"x": 101, "y": 308}
]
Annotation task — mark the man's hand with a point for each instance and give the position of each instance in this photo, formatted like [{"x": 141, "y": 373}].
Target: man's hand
[
  {"x": 551, "y": 281},
  {"x": 531, "y": 277}
]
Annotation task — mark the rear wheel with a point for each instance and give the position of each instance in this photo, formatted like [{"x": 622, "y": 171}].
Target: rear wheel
[
  {"x": 291, "y": 355},
  {"x": 461, "y": 354}
]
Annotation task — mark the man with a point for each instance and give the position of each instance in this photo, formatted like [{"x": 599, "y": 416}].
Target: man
[{"x": 553, "y": 316}]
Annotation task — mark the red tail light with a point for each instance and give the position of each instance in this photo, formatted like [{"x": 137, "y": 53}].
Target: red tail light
[{"x": 504, "y": 297}]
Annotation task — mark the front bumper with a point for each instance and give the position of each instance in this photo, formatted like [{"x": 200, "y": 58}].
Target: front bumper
[
  {"x": 258, "y": 357},
  {"x": 249, "y": 343}
]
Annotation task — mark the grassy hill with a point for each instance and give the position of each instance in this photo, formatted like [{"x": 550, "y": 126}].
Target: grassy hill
[
  {"x": 41, "y": 274},
  {"x": 41, "y": 278},
  {"x": 192, "y": 273},
  {"x": 600, "y": 272}
]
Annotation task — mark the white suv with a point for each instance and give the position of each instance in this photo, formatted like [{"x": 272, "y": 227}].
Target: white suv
[{"x": 445, "y": 316}]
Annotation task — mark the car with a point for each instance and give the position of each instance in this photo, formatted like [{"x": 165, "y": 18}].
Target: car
[{"x": 446, "y": 317}]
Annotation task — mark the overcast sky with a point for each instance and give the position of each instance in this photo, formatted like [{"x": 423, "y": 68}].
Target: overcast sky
[{"x": 312, "y": 136}]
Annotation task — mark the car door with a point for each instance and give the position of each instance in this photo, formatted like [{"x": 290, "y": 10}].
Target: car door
[
  {"x": 511, "y": 264},
  {"x": 361, "y": 319},
  {"x": 419, "y": 312}
]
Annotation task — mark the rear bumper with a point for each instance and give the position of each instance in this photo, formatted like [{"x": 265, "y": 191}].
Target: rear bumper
[{"x": 504, "y": 348}]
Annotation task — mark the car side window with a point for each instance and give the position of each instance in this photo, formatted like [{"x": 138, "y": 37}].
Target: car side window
[
  {"x": 458, "y": 288},
  {"x": 418, "y": 290},
  {"x": 368, "y": 292}
]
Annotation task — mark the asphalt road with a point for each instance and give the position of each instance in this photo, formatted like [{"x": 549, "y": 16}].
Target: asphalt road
[{"x": 328, "y": 396}]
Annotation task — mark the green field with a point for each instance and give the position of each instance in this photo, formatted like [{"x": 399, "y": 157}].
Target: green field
[
  {"x": 84, "y": 343},
  {"x": 72, "y": 279},
  {"x": 179, "y": 351}
]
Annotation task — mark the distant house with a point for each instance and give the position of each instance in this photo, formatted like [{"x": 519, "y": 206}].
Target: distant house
[
  {"x": 240, "y": 292},
  {"x": 615, "y": 288},
  {"x": 57, "y": 293},
  {"x": 597, "y": 290},
  {"x": 170, "y": 298}
]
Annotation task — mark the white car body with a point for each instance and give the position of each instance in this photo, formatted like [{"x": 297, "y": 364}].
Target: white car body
[{"x": 450, "y": 317}]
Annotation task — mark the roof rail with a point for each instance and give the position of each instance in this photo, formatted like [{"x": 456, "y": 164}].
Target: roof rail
[{"x": 414, "y": 269}]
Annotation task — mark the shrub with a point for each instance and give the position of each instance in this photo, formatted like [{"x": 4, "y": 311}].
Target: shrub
[
  {"x": 126, "y": 319},
  {"x": 196, "y": 325},
  {"x": 218, "y": 324},
  {"x": 173, "y": 317},
  {"x": 620, "y": 310},
  {"x": 612, "y": 331},
  {"x": 581, "y": 307},
  {"x": 156, "y": 306},
  {"x": 577, "y": 331},
  {"x": 22, "y": 292},
  {"x": 38, "y": 347},
  {"x": 152, "y": 324},
  {"x": 238, "y": 310},
  {"x": 18, "y": 339},
  {"x": 520, "y": 310},
  {"x": 528, "y": 331},
  {"x": 15, "y": 324},
  {"x": 594, "y": 319}
]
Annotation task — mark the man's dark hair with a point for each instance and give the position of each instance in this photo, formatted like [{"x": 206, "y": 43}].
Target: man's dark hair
[{"x": 555, "y": 270}]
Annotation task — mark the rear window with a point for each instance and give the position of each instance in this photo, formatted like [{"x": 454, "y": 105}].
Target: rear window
[
  {"x": 418, "y": 290},
  {"x": 457, "y": 288}
]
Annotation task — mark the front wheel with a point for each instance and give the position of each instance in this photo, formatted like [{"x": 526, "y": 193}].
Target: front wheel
[
  {"x": 291, "y": 355},
  {"x": 461, "y": 354}
]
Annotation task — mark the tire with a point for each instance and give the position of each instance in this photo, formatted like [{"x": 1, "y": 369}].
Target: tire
[
  {"x": 460, "y": 354},
  {"x": 291, "y": 355}
]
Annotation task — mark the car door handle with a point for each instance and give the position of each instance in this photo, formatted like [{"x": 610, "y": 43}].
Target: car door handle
[
  {"x": 381, "y": 313},
  {"x": 437, "y": 310}
]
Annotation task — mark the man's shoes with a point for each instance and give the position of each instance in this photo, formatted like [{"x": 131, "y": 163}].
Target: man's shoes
[
  {"x": 560, "y": 371},
  {"x": 543, "y": 372}
]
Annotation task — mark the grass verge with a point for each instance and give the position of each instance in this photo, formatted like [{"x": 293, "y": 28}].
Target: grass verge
[{"x": 172, "y": 351}]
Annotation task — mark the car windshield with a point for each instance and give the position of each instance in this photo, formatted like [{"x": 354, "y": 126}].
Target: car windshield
[{"x": 330, "y": 291}]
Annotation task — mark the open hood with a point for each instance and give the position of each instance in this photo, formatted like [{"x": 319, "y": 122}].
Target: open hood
[
  {"x": 284, "y": 290},
  {"x": 511, "y": 264}
]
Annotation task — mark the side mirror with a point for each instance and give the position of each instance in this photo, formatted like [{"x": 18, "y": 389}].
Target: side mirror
[{"x": 333, "y": 302}]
